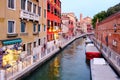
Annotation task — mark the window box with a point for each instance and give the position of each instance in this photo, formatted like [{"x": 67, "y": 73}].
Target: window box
[
  {"x": 35, "y": 33},
  {"x": 9, "y": 35},
  {"x": 23, "y": 34}
]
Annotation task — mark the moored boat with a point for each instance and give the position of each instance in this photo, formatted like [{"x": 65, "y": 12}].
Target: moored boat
[
  {"x": 92, "y": 51},
  {"x": 101, "y": 70},
  {"x": 87, "y": 40}
]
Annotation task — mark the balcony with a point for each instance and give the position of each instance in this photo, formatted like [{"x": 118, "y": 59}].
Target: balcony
[{"x": 29, "y": 16}]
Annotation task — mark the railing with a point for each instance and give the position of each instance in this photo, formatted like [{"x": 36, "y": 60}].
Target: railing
[
  {"x": 34, "y": 58},
  {"x": 29, "y": 15}
]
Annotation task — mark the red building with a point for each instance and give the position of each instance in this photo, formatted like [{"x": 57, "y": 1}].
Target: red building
[
  {"x": 71, "y": 28},
  {"x": 108, "y": 39},
  {"x": 53, "y": 19},
  {"x": 108, "y": 31}
]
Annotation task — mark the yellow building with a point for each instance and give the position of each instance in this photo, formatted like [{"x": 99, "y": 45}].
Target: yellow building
[{"x": 23, "y": 21}]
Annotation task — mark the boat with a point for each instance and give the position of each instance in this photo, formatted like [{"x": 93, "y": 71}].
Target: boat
[
  {"x": 101, "y": 70},
  {"x": 92, "y": 51},
  {"x": 87, "y": 41}
]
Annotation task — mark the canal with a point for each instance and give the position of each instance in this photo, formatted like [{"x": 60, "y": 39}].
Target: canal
[{"x": 68, "y": 64}]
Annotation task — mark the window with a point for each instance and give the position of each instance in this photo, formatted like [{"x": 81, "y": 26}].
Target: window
[
  {"x": 52, "y": 9},
  {"x": 55, "y": 1},
  {"x": 55, "y": 11},
  {"x": 11, "y": 26},
  {"x": 48, "y": 23},
  {"x": 34, "y": 44},
  {"x": 55, "y": 23},
  {"x": 44, "y": 13},
  {"x": 23, "y": 4},
  {"x": 29, "y": 4},
  {"x": 39, "y": 28},
  {"x": 48, "y": 7},
  {"x": 29, "y": 48},
  {"x": 34, "y": 27},
  {"x": 51, "y": 23},
  {"x": 11, "y": 4},
  {"x": 39, "y": 41},
  {"x": 44, "y": 27},
  {"x": 24, "y": 48},
  {"x": 23, "y": 26},
  {"x": 34, "y": 8},
  {"x": 39, "y": 11}
]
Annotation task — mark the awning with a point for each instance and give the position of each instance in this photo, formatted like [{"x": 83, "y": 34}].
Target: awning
[{"x": 10, "y": 42}]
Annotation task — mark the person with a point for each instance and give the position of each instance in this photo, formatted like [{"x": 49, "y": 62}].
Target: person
[
  {"x": 16, "y": 46},
  {"x": 54, "y": 42},
  {"x": 44, "y": 46}
]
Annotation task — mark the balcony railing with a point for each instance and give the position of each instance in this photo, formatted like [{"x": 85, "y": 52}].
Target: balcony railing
[{"x": 29, "y": 15}]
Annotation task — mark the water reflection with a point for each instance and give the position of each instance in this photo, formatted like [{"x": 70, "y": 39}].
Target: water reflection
[
  {"x": 53, "y": 72},
  {"x": 70, "y": 64}
]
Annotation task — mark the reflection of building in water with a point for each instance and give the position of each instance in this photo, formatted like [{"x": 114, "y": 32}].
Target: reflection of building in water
[
  {"x": 56, "y": 66},
  {"x": 56, "y": 62},
  {"x": 54, "y": 69}
]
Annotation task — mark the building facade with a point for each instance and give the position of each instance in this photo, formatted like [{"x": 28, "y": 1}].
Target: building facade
[
  {"x": 65, "y": 26},
  {"x": 108, "y": 32},
  {"x": 53, "y": 19},
  {"x": 23, "y": 25},
  {"x": 69, "y": 20},
  {"x": 85, "y": 24},
  {"x": 108, "y": 37}
]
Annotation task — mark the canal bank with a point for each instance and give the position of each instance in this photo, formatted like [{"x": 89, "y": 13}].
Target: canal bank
[
  {"x": 20, "y": 70},
  {"x": 111, "y": 56},
  {"x": 68, "y": 64}
]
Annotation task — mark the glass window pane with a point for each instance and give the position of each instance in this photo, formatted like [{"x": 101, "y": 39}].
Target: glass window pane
[
  {"x": 44, "y": 27},
  {"x": 23, "y": 4},
  {"x": 23, "y": 26},
  {"x": 44, "y": 13},
  {"x": 11, "y": 4},
  {"x": 34, "y": 27},
  {"x": 10, "y": 26},
  {"x": 39, "y": 28},
  {"x": 29, "y": 4},
  {"x": 34, "y": 8},
  {"x": 39, "y": 11}
]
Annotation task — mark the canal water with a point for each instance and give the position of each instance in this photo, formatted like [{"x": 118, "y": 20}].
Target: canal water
[{"x": 69, "y": 64}]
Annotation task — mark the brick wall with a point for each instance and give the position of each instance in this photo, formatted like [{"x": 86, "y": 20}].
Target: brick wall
[{"x": 105, "y": 29}]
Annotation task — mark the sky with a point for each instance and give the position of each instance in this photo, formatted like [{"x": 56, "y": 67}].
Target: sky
[{"x": 87, "y": 7}]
